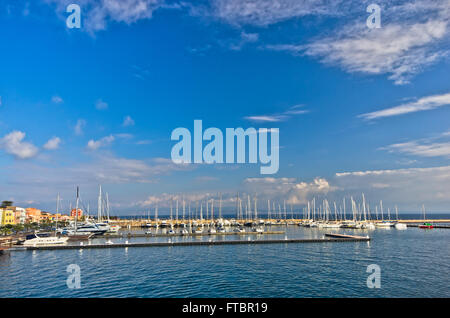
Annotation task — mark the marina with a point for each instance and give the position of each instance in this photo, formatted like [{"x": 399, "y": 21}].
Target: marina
[{"x": 298, "y": 262}]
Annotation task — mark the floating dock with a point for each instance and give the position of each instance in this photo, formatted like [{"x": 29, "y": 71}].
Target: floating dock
[
  {"x": 193, "y": 243},
  {"x": 128, "y": 235},
  {"x": 434, "y": 226},
  {"x": 346, "y": 236}
]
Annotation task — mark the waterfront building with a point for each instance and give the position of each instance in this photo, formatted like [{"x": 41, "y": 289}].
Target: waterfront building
[
  {"x": 33, "y": 215},
  {"x": 79, "y": 214},
  {"x": 8, "y": 216}
]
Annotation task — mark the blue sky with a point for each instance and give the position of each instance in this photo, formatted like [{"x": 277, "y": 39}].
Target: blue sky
[{"x": 97, "y": 105}]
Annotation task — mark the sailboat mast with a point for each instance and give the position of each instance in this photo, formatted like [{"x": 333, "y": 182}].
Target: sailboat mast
[
  {"x": 76, "y": 209},
  {"x": 99, "y": 206}
]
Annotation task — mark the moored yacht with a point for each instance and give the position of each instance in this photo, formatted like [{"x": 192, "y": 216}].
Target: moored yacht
[{"x": 44, "y": 239}]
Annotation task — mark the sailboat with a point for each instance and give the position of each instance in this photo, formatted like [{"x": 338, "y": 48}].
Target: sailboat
[
  {"x": 76, "y": 235},
  {"x": 425, "y": 225},
  {"x": 398, "y": 225},
  {"x": 383, "y": 224}
]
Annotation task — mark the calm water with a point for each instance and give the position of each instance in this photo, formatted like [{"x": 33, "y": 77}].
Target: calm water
[{"x": 414, "y": 263}]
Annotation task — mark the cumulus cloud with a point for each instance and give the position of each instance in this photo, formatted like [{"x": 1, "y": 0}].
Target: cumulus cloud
[
  {"x": 13, "y": 144},
  {"x": 289, "y": 189},
  {"x": 424, "y": 103},
  {"x": 95, "y": 144},
  {"x": 52, "y": 143}
]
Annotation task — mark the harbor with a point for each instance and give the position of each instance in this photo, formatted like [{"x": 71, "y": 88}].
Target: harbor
[{"x": 301, "y": 259}]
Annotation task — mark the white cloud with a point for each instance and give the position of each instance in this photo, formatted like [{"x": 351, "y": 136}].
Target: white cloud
[
  {"x": 101, "y": 105},
  {"x": 52, "y": 143},
  {"x": 424, "y": 103},
  {"x": 57, "y": 99},
  {"x": 97, "y": 14},
  {"x": 244, "y": 39},
  {"x": 34, "y": 180},
  {"x": 289, "y": 189},
  {"x": 95, "y": 144},
  {"x": 81, "y": 123},
  {"x": 410, "y": 187},
  {"x": 128, "y": 121},
  {"x": 438, "y": 146},
  {"x": 13, "y": 144},
  {"x": 412, "y": 37},
  {"x": 294, "y": 110},
  {"x": 266, "y": 12}
]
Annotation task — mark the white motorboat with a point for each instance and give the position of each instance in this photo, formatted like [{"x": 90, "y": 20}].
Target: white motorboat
[
  {"x": 400, "y": 226},
  {"x": 384, "y": 224},
  {"x": 103, "y": 226},
  {"x": 44, "y": 239}
]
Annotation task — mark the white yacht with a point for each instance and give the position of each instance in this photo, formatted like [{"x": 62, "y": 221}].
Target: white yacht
[
  {"x": 384, "y": 224},
  {"x": 44, "y": 239},
  {"x": 400, "y": 226}
]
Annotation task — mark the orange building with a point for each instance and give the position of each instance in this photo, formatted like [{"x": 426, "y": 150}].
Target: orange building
[
  {"x": 33, "y": 215},
  {"x": 79, "y": 214}
]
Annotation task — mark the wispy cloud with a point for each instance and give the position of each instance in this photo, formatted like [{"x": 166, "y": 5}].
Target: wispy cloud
[
  {"x": 101, "y": 105},
  {"x": 79, "y": 126},
  {"x": 14, "y": 144},
  {"x": 97, "y": 14},
  {"x": 57, "y": 99},
  {"x": 401, "y": 48},
  {"x": 293, "y": 111},
  {"x": 128, "y": 121},
  {"x": 427, "y": 147},
  {"x": 424, "y": 103},
  {"x": 266, "y": 12},
  {"x": 244, "y": 39},
  {"x": 411, "y": 186}
]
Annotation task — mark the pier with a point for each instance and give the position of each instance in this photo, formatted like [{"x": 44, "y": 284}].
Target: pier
[
  {"x": 227, "y": 242},
  {"x": 129, "y": 235}
]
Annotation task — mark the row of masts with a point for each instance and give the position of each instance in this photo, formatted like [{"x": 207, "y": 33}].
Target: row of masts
[{"x": 247, "y": 209}]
